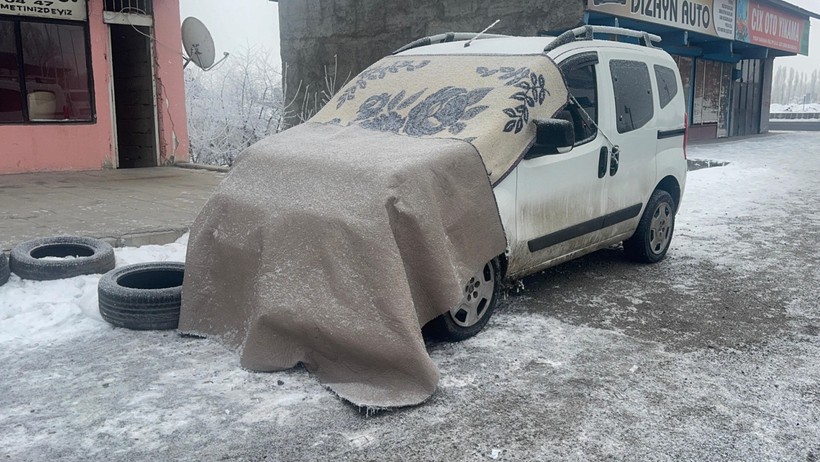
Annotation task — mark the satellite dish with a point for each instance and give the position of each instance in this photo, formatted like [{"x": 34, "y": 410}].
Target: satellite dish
[{"x": 198, "y": 43}]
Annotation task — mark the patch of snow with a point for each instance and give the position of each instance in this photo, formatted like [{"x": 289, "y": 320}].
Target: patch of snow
[
  {"x": 46, "y": 311},
  {"x": 149, "y": 253},
  {"x": 794, "y": 108}
]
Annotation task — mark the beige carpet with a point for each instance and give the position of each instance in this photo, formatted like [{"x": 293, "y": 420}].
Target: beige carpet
[{"x": 332, "y": 246}]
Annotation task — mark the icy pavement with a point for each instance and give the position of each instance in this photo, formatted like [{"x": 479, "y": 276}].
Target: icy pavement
[{"x": 713, "y": 354}]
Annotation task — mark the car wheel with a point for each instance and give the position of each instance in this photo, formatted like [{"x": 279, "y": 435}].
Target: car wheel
[
  {"x": 469, "y": 317},
  {"x": 145, "y": 296},
  {"x": 4, "y": 268},
  {"x": 651, "y": 240},
  {"x": 51, "y": 258}
]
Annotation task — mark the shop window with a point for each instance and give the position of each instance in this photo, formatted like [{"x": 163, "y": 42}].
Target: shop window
[
  {"x": 44, "y": 72},
  {"x": 582, "y": 86},
  {"x": 667, "y": 84},
  {"x": 11, "y": 95},
  {"x": 634, "y": 105}
]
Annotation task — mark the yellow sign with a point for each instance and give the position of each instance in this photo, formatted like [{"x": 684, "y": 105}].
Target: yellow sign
[
  {"x": 709, "y": 17},
  {"x": 72, "y": 10}
]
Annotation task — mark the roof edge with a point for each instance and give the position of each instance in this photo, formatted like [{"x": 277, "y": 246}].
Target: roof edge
[{"x": 794, "y": 8}]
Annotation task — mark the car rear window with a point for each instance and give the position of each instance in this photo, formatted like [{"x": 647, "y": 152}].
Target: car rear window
[
  {"x": 633, "y": 94},
  {"x": 667, "y": 84}
]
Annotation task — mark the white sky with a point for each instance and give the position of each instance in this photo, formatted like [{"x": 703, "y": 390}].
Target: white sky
[
  {"x": 238, "y": 23},
  {"x": 812, "y": 61},
  {"x": 256, "y": 23}
]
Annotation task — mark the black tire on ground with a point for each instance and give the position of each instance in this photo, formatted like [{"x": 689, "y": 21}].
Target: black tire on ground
[
  {"x": 29, "y": 260},
  {"x": 4, "y": 268},
  {"x": 651, "y": 240},
  {"x": 457, "y": 324},
  {"x": 145, "y": 296}
]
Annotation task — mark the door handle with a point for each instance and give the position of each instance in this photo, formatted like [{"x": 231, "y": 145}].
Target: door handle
[
  {"x": 603, "y": 158},
  {"x": 614, "y": 160}
]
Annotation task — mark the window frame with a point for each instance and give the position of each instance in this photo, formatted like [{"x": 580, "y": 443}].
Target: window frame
[
  {"x": 18, "y": 38},
  {"x": 615, "y": 90},
  {"x": 118, "y": 6},
  {"x": 581, "y": 61},
  {"x": 660, "y": 69}
]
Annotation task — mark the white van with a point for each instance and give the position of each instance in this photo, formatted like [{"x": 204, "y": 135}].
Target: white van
[{"x": 619, "y": 178}]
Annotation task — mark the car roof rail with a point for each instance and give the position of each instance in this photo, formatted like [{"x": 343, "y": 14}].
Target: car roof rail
[
  {"x": 588, "y": 33},
  {"x": 446, "y": 37}
]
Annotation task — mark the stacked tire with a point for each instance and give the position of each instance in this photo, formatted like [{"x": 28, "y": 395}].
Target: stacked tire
[{"x": 145, "y": 296}]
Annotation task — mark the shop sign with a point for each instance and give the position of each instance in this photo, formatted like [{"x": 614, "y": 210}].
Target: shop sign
[
  {"x": 772, "y": 27},
  {"x": 710, "y": 17},
  {"x": 74, "y": 10}
]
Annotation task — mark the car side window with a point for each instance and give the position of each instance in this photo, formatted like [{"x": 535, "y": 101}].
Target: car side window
[
  {"x": 634, "y": 106},
  {"x": 582, "y": 109},
  {"x": 667, "y": 84}
]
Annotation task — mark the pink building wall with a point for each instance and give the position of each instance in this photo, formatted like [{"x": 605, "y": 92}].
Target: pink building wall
[
  {"x": 90, "y": 146},
  {"x": 173, "y": 122}
]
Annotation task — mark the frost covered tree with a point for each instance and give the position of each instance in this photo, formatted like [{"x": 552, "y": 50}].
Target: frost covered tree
[
  {"x": 792, "y": 87},
  {"x": 778, "y": 86},
  {"x": 792, "y": 84},
  {"x": 233, "y": 106}
]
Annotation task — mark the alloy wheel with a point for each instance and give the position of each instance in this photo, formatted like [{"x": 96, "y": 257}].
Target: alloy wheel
[
  {"x": 478, "y": 294},
  {"x": 660, "y": 230}
]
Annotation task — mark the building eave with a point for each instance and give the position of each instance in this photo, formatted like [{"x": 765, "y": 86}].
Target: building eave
[{"x": 794, "y": 8}]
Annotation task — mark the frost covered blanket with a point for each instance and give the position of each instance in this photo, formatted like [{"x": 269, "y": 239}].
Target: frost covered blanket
[
  {"x": 336, "y": 257},
  {"x": 333, "y": 243}
]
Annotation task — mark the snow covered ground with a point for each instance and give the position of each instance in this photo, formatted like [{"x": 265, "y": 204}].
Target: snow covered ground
[
  {"x": 811, "y": 107},
  {"x": 713, "y": 354},
  {"x": 791, "y": 112}
]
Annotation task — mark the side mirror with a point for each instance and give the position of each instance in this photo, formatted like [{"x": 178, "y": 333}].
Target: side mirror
[{"x": 555, "y": 135}]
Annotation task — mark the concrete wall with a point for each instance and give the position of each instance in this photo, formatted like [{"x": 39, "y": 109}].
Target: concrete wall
[
  {"x": 352, "y": 34},
  {"x": 89, "y": 146}
]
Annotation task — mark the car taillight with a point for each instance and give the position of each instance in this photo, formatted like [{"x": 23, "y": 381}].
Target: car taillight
[{"x": 685, "y": 132}]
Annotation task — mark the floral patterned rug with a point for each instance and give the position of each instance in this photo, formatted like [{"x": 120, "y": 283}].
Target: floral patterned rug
[{"x": 489, "y": 101}]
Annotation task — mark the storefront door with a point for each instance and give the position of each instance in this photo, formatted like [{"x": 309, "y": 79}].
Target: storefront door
[
  {"x": 746, "y": 98},
  {"x": 134, "y": 96}
]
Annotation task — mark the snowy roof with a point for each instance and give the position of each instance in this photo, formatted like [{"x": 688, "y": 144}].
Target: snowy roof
[{"x": 500, "y": 45}]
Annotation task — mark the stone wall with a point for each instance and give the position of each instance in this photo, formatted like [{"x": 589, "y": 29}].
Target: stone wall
[{"x": 349, "y": 35}]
